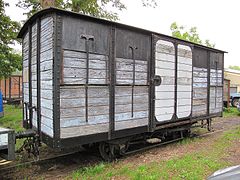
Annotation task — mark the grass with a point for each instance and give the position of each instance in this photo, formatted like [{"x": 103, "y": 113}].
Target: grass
[
  {"x": 230, "y": 112},
  {"x": 196, "y": 165},
  {"x": 12, "y": 117}
]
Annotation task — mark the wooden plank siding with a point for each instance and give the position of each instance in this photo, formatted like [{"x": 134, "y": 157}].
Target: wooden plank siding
[
  {"x": 46, "y": 64},
  {"x": 216, "y": 91},
  {"x": 73, "y": 110},
  {"x": 124, "y": 71},
  {"x": 75, "y": 85},
  {"x": 124, "y": 106},
  {"x": 46, "y": 74},
  {"x": 25, "y": 68},
  {"x": 199, "y": 91},
  {"x": 74, "y": 88},
  {"x": 74, "y": 68},
  {"x": 34, "y": 72}
]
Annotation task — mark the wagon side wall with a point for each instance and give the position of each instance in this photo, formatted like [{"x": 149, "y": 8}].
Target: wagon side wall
[
  {"x": 31, "y": 48},
  {"x": 85, "y": 92},
  {"x": 192, "y": 81}
]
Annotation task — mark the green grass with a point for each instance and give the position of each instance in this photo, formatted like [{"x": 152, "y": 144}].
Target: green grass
[
  {"x": 230, "y": 112},
  {"x": 12, "y": 117},
  {"x": 196, "y": 165}
]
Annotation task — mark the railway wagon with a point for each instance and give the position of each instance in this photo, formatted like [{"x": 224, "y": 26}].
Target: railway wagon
[
  {"x": 88, "y": 80},
  {"x": 12, "y": 89}
]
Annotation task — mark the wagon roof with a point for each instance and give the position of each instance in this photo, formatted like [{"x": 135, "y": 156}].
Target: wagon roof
[{"x": 74, "y": 14}]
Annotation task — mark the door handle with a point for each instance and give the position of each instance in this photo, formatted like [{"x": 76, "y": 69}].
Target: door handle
[
  {"x": 32, "y": 108},
  {"x": 157, "y": 80}
]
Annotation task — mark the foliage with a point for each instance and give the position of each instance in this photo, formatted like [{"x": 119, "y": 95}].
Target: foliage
[
  {"x": 231, "y": 112},
  {"x": 98, "y": 8},
  {"x": 234, "y": 67},
  {"x": 10, "y": 60},
  {"x": 190, "y": 35}
]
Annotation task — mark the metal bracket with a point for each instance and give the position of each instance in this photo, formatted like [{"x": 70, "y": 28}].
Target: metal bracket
[{"x": 31, "y": 143}]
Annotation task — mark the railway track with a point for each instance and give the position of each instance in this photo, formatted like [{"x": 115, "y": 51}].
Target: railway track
[{"x": 6, "y": 170}]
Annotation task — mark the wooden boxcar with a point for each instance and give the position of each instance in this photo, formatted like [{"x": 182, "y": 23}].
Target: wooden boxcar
[
  {"x": 88, "y": 80},
  {"x": 12, "y": 88}
]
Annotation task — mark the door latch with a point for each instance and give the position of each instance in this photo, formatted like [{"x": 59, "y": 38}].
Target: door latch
[{"x": 157, "y": 80}]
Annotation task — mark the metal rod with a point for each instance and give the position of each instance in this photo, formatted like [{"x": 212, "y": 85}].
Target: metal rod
[
  {"x": 26, "y": 110},
  {"x": 87, "y": 39},
  {"x": 87, "y": 76},
  {"x": 133, "y": 84}
]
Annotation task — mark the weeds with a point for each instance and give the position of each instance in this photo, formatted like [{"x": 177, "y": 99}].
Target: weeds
[{"x": 230, "y": 112}]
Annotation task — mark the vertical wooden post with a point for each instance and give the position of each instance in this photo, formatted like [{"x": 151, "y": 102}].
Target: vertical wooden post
[
  {"x": 228, "y": 100},
  {"x": 19, "y": 86},
  {"x": 9, "y": 88}
]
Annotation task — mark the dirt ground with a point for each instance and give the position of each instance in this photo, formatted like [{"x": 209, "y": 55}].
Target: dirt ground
[{"x": 63, "y": 167}]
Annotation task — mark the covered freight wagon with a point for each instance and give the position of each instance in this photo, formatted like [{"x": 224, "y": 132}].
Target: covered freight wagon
[
  {"x": 12, "y": 88},
  {"x": 88, "y": 80}
]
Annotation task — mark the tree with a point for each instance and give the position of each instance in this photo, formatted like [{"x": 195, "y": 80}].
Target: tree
[
  {"x": 234, "y": 67},
  {"x": 10, "y": 61},
  {"x": 190, "y": 35},
  {"x": 96, "y": 8}
]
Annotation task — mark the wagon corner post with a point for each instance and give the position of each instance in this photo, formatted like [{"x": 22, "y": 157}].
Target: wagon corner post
[{"x": 56, "y": 79}]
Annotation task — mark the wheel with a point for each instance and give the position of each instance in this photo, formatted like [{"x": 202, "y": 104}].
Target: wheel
[
  {"x": 106, "y": 151},
  {"x": 235, "y": 102},
  {"x": 209, "y": 124},
  {"x": 187, "y": 133}
]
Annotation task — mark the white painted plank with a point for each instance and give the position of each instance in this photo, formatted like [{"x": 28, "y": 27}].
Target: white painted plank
[
  {"x": 164, "y": 103},
  {"x": 165, "y": 72},
  {"x": 165, "y": 57},
  {"x": 185, "y": 60},
  {"x": 165, "y": 47},
  {"x": 163, "y": 88},
  {"x": 164, "y": 110},
  {"x": 165, "y": 65},
  {"x": 164, "y": 95},
  {"x": 164, "y": 117}
]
